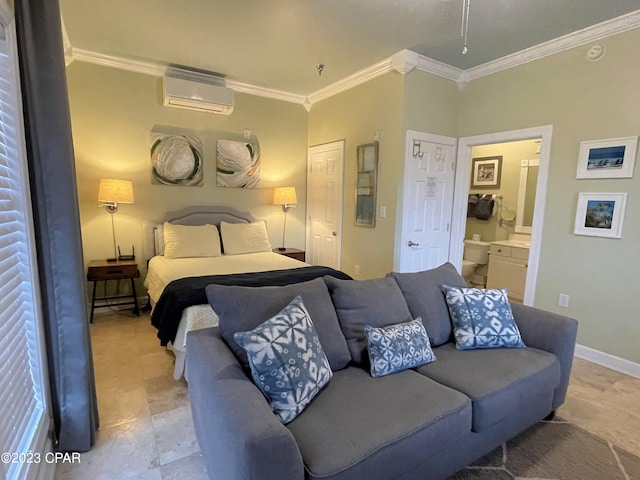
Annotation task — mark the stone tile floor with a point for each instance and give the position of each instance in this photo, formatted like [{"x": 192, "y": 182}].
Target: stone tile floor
[{"x": 146, "y": 431}]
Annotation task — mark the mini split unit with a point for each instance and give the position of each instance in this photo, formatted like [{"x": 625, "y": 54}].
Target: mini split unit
[{"x": 195, "y": 91}]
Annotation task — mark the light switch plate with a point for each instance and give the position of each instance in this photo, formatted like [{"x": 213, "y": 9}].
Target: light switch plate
[{"x": 563, "y": 300}]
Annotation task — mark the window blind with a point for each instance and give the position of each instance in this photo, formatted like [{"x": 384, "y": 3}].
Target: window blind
[{"x": 24, "y": 418}]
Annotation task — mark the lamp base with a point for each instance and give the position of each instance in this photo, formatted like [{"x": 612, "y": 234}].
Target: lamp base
[
  {"x": 112, "y": 259},
  {"x": 281, "y": 249}
]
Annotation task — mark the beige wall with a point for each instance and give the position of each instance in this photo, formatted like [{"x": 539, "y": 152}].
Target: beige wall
[
  {"x": 512, "y": 153},
  {"x": 354, "y": 116},
  {"x": 583, "y": 101},
  {"x": 113, "y": 112},
  {"x": 430, "y": 104},
  {"x": 390, "y": 104}
]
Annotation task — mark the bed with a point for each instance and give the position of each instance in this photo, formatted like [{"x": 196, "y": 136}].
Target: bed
[{"x": 181, "y": 264}]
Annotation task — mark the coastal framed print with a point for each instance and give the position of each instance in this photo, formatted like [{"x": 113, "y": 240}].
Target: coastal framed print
[
  {"x": 600, "y": 214},
  {"x": 486, "y": 172},
  {"x": 611, "y": 158}
]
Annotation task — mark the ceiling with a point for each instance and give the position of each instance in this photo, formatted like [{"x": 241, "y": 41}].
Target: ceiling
[{"x": 276, "y": 44}]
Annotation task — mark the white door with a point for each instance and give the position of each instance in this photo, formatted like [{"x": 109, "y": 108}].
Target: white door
[
  {"x": 427, "y": 205},
  {"x": 324, "y": 204}
]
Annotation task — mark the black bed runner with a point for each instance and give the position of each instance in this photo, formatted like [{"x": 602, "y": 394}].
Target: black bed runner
[{"x": 185, "y": 292}]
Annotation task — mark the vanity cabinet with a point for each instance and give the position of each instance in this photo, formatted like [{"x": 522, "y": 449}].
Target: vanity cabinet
[{"x": 508, "y": 269}]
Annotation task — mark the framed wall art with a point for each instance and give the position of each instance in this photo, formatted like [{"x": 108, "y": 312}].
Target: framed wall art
[
  {"x": 486, "y": 172},
  {"x": 176, "y": 159},
  {"x": 600, "y": 214},
  {"x": 367, "y": 182},
  {"x": 611, "y": 158},
  {"x": 238, "y": 164}
]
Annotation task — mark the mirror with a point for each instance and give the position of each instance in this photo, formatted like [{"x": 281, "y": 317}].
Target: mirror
[
  {"x": 527, "y": 194},
  {"x": 366, "y": 184}
]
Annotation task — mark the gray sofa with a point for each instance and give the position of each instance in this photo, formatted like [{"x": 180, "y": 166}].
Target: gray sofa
[{"x": 422, "y": 423}]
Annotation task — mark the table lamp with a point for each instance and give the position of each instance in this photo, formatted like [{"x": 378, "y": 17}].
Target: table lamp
[
  {"x": 110, "y": 194},
  {"x": 285, "y": 196}
]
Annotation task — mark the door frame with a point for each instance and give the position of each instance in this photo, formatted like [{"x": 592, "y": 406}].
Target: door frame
[
  {"x": 408, "y": 156},
  {"x": 335, "y": 145},
  {"x": 461, "y": 191}
]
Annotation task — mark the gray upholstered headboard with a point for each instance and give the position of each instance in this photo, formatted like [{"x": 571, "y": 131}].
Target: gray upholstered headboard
[{"x": 192, "y": 215}]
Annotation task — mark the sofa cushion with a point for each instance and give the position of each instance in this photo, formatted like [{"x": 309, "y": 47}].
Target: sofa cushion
[
  {"x": 364, "y": 427},
  {"x": 424, "y": 296},
  {"x": 499, "y": 381},
  {"x": 287, "y": 362},
  {"x": 397, "y": 347},
  {"x": 377, "y": 302},
  {"x": 244, "y": 308},
  {"x": 482, "y": 318}
]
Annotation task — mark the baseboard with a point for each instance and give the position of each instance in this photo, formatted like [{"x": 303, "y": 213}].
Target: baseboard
[{"x": 607, "y": 360}]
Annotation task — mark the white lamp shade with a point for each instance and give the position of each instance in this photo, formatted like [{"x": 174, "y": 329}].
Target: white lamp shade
[
  {"x": 285, "y": 196},
  {"x": 115, "y": 191}
]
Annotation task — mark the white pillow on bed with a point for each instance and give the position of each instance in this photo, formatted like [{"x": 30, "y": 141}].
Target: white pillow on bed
[
  {"x": 182, "y": 241},
  {"x": 239, "y": 238}
]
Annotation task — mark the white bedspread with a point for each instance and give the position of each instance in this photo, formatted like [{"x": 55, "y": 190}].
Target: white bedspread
[{"x": 162, "y": 271}]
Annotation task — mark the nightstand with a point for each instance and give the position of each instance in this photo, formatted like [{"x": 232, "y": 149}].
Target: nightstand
[
  {"x": 101, "y": 270},
  {"x": 292, "y": 253}
]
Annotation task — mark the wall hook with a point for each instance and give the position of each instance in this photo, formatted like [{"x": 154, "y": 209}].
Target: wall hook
[{"x": 417, "y": 149}]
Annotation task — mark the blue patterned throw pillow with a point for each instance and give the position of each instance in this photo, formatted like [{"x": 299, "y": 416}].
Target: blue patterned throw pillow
[
  {"x": 482, "y": 318},
  {"x": 398, "y": 347},
  {"x": 287, "y": 361}
]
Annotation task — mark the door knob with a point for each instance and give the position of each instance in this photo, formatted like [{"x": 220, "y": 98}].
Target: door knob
[
  {"x": 412, "y": 244},
  {"x": 335, "y": 234}
]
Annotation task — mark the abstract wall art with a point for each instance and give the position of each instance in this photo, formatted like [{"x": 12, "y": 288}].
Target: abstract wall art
[
  {"x": 176, "y": 159},
  {"x": 238, "y": 164}
]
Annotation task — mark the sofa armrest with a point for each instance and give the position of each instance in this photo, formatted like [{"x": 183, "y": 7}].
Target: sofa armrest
[
  {"x": 552, "y": 333},
  {"x": 239, "y": 436}
]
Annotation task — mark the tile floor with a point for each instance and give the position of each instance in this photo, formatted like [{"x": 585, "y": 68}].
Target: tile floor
[{"x": 146, "y": 430}]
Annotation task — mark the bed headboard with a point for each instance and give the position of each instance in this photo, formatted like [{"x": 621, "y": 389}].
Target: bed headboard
[{"x": 192, "y": 215}]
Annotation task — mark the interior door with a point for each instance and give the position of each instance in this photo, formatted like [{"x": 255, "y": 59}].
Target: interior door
[
  {"x": 324, "y": 204},
  {"x": 427, "y": 206}
]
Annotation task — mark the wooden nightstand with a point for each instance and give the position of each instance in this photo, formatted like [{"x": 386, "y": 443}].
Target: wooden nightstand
[
  {"x": 101, "y": 270},
  {"x": 291, "y": 252}
]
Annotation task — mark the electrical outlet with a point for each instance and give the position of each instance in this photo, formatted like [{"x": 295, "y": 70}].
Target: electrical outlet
[
  {"x": 563, "y": 300},
  {"x": 247, "y": 134},
  {"x": 356, "y": 269}
]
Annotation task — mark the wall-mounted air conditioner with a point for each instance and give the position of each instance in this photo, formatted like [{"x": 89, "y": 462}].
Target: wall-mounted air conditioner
[{"x": 198, "y": 93}]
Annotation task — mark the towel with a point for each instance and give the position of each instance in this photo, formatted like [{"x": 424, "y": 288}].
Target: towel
[
  {"x": 471, "y": 204},
  {"x": 484, "y": 208}
]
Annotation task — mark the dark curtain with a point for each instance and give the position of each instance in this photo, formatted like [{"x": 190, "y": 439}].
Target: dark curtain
[{"x": 57, "y": 223}]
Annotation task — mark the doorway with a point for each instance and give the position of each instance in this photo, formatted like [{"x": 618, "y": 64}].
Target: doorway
[
  {"x": 325, "y": 165},
  {"x": 463, "y": 181},
  {"x": 427, "y": 202}
]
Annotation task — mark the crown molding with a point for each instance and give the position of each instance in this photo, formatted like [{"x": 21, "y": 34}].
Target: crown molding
[
  {"x": 66, "y": 43},
  {"x": 266, "y": 92},
  {"x": 566, "y": 42},
  {"x": 358, "y": 78},
  {"x": 139, "y": 66},
  {"x": 403, "y": 61},
  {"x": 157, "y": 69},
  {"x": 429, "y": 65}
]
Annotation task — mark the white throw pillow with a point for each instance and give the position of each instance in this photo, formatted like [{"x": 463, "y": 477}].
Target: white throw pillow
[
  {"x": 182, "y": 241},
  {"x": 239, "y": 238}
]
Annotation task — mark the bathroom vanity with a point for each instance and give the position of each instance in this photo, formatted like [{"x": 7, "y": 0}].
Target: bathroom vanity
[{"x": 508, "y": 260}]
